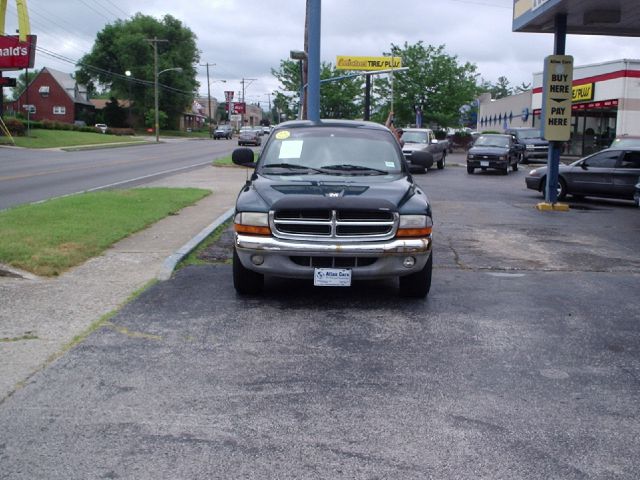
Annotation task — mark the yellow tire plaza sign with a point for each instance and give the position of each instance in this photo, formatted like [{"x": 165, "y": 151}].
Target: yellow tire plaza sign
[{"x": 347, "y": 62}]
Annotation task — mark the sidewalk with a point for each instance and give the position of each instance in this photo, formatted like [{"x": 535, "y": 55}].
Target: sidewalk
[{"x": 39, "y": 316}]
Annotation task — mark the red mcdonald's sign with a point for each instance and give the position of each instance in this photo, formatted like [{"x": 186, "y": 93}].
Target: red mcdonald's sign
[{"x": 15, "y": 54}]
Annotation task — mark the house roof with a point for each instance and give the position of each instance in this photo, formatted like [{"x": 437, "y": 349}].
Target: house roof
[{"x": 77, "y": 92}]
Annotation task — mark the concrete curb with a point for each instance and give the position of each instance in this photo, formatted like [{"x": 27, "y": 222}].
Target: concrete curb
[{"x": 169, "y": 265}]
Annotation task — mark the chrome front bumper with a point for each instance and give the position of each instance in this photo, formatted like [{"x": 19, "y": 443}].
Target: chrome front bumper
[{"x": 276, "y": 255}]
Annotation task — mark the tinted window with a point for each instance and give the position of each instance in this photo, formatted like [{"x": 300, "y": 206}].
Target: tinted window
[
  {"x": 603, "y": 160},
  {"x": 527, "y": 133},
  {"x": 631, "y": 160}
]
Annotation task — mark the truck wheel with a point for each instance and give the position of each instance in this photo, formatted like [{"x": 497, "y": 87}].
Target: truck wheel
[
  {"x": 441, "y": 162},
  {"x": 417, "y": 284},
  {"x": 470, "y": 170},
  {"x": 514, "y": 167},
  {"x": 245, "y": 281}
]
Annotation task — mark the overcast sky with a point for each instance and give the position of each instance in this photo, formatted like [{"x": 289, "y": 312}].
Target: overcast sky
[{"x": 245, "y": 39}]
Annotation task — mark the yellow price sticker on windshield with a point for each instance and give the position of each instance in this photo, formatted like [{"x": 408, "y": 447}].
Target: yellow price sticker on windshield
[{"x": 283, "y": 135}]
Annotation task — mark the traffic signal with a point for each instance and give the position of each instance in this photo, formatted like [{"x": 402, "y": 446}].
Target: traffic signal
[{"x": 7, "y": 82}]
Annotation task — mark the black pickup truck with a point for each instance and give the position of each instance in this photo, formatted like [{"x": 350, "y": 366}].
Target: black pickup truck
[{"x": 331, "y": 201}]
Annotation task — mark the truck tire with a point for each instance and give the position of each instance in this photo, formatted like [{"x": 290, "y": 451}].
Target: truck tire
[
  {"x": 442, "y": 161},
  {"x": 417, "y": 284},
  {"x": 245, "y": 281},
  {"x": 470, "y": 170}
]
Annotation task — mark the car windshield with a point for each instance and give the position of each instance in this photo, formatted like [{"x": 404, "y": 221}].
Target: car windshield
[
  {"x": 332, "y": 150},
  {"x": 415, "y": 137},
  {"x": 492, "y": 141},
  {"x": 528, "y": 133}
]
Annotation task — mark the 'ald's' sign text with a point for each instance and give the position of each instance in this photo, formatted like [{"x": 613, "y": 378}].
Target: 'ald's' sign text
[{"x": 15, "y": 54}]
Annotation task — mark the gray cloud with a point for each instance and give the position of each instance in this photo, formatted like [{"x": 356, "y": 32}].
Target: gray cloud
[{"x": 246, "y": 39}]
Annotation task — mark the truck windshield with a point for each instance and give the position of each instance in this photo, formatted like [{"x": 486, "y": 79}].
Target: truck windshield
[
  {"x": 415, "y": 137},
  {"x": 492, "y": 141},
  {"x": 529, "y": 133},
  {"x": 341, "y": 150}
]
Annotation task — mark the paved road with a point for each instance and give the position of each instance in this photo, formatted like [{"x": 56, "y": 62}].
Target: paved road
[
  {"x": 34, "y": 175},
  {"x": 523, "y": 363}
]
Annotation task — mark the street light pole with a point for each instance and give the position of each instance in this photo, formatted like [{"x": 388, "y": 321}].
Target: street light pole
[
  {"x": 128, "y": 74},
  {"x": 300, "y": 56}
]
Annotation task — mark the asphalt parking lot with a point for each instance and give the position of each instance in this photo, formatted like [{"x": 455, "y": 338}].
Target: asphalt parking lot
[{"x": 524, "y": 362}]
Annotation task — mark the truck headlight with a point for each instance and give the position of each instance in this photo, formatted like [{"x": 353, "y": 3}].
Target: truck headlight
[
  {"x": 255, "y": 223},
  {"x": 470, "y": 157},
  {"x": 415, "y": 226}
]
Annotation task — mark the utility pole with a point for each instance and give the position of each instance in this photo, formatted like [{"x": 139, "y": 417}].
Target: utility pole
[
  {"x": 208, "y": 91},
  {"x": 244, "y": 80},
  {"x": 154, "y": 41}
]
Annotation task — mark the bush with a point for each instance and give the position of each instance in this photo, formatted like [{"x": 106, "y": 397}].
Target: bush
[
  {"x": 15, "y": 127},
  {"x": 121, "y": 131},
  {"x": 461, "y": 139},
  {"x": 440, "y": 134}
]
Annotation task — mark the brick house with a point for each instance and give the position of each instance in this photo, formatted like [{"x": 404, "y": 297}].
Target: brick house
[{"x": 56, "y": 96}]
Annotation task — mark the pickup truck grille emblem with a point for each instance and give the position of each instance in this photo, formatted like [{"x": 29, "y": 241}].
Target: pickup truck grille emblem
[{"x": 347, "y": 225}]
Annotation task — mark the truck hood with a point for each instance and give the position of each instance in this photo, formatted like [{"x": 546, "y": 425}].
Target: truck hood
[
  {"x": 414, "y": 147},
  {"x": 334, "y": 192},
  {"x": 535, "y": 141}
]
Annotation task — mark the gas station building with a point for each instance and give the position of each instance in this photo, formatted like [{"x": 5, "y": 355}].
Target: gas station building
[{"x": 605, "y": 104}]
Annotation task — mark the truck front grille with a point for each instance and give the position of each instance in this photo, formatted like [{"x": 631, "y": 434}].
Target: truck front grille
[
  {"x": 333, "y": 262},
  {"x": 344, "y": 225}
]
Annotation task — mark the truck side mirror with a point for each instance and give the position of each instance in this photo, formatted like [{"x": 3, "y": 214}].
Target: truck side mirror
[{"x": 243, "y": 157}]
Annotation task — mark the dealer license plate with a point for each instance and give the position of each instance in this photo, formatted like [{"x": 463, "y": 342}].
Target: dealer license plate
[
  {"x": 484, "y": 163},
  {"x": 332, "y": 277}
]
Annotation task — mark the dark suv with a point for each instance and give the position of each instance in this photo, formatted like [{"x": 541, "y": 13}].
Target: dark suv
[
  {"x": 532, "y": 144},
  {"x": 332, "y": 202}
]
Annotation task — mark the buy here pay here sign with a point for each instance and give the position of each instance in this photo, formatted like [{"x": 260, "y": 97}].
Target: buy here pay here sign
[{"x": 556, "y": 97}]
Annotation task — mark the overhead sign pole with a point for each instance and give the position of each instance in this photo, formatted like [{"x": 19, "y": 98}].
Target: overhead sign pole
[
  {"x": 313, "y": 90},
  {"x": 556, "y": 120},
  {"x": 16, "y": 52}
]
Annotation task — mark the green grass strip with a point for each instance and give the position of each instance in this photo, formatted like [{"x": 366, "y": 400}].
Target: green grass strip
[
  {"x": 42, "y": 138},
  {"x": 50, "y": 237}
]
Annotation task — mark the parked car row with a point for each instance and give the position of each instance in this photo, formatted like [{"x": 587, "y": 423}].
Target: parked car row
[
  {"x": 608, "y": 173},
  {"x": 614, "y": 172},
  {"x": 226, "y": 131}
]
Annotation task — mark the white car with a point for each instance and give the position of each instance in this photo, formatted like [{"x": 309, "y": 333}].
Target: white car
[{"x": 102, "y": 127}]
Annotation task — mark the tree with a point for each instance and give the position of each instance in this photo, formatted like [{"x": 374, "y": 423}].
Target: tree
[
  {"x": 500, "y": 89},
  {"x": 22, "y": 81},
  {"x": 125, "y": 45},
  {"x": 338, "y": 98},
  {"x": 436, "y": 82},
  {"x": 114, "y": 115},
  {"x": 523, "y": 87}
]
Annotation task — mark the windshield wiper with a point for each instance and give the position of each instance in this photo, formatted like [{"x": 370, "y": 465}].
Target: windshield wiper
[
  {"x": 290, "y": 166},
  {"x": 358, "y": 168}
]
